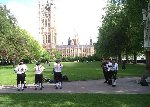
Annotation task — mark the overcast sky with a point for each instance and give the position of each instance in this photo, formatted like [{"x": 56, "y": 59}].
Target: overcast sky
[{"x": 72, "y": 16}]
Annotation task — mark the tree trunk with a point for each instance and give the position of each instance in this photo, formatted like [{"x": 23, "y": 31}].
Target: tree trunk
[
  {"x": 3, "y": 61},
  {"x": 135, "y": 58},
  {"x": 127, "y": 58},
  {"x": 119, "y": 58}
]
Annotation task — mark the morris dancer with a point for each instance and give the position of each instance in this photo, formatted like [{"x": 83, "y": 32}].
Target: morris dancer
[
  {"x": 114, "y": 73},
  {"x": 57, "y": 74},
  {"x": 20, "y": 76},
  {"x": 38, "y": 75}
]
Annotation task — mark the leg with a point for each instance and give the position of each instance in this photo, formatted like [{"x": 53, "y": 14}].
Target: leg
[
  {"x": 40, "y": 81},
  {"x": 114, "y": 78},
  {"x": 60, "y": 80},
  {"x": 22, "y": 82},
  {"x": 36, "y": 81},
  {"x": 56, "y": 80},
  {"x": 105, "y": 76},
  {"x": 109, "y": 78},
  {"x": 18, "y": 82}
]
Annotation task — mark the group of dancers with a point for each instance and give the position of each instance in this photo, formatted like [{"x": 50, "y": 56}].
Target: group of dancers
[
  {"x": 38, "y": 70},
  {"x": 110, "y": 69}
]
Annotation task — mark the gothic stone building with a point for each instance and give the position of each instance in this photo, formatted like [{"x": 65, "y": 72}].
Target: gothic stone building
[{"x": 47, "y": 30}]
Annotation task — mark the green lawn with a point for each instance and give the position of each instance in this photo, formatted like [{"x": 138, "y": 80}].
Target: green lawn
[
  {"x": 74, "y": 70},
  {"x": 74, "y": 100}
]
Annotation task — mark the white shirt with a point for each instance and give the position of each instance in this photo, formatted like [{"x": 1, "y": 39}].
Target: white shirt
[
  {"x": 109, "y": 65},
  {"x": 21, "y": 69},
  {"x": 58, "y": 67},
  {"x": 39, "y": 69},
  {"x": 25, "y": 68},
  {"x": 116, "y": 66}
]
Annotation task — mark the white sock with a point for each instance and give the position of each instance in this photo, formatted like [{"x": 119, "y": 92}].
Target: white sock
[
  {"x": 19, "y": 86},
  {"x": 60, "y": 84},
  {"x": 57, "y": 84},
  {"x": 115, "y": 82},
  {"x": 22, "y": 86},
  {"x": 36, "y": 85},
  {"x": 40, "y": 85}
]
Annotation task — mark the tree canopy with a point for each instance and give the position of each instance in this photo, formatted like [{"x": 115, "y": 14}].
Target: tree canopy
[
  {"x": 121, "y": 32},
  {"x": 16, "y": 43}
]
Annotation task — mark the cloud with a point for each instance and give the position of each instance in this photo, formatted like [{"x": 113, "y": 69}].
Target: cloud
[
  {"x": 27, "y": 16},
  {"x": 81, "y": 16},
  {"x": 72, "y": 16}
]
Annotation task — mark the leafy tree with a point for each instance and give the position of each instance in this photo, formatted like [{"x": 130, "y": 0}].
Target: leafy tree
[
  {"x": 16, "y": 43},
  {"x": 112, "y": 35},
  {"x": 122, "y": 29}
]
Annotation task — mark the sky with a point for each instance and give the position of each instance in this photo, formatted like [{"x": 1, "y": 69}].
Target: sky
[{"x": 81, "y": 17}]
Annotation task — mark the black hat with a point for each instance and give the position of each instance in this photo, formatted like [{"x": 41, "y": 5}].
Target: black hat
[
  {"x": 21, "y": 62},
  {"x": 57, "y": 61},
  {"x": 38, "y": 63}
]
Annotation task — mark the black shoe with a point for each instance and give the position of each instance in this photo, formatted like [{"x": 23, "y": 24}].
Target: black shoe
[
  {"x": 60, "y": 87},
  {"x": 18, "y": 89},
  {"x": 35, "y": 88},
  {"x": 113, "y": 85},
  {"x": 40, "y": 88},
  {"x": 105, "y": 82},
  {"x": 25, "y": 87},
  {"x": 56, "y": 87},
  {"x": 22, "y": 89}
]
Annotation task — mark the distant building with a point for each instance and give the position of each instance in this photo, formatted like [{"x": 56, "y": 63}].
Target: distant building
[
  {"x": 47, "y": 30},
  {"x": 75, "y": 49}
]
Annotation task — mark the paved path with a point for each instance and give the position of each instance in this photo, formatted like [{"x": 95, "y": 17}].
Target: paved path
[{"x": 124, "y": 85}]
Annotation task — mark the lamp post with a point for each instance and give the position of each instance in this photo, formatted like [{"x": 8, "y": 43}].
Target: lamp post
[{"x": 146, "y": 20}]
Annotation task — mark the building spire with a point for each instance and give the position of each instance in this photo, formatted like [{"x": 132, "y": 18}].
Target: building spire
[{"x": 91, "y": 43}]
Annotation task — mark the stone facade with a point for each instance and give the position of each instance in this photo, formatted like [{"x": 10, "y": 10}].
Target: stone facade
[
  {"x": 74, "y": 49},
  {"x": 47, "y": 30},
  {"x": 47, "y": 27}
]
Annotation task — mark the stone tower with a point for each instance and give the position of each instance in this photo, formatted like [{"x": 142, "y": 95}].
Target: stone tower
[{"x": 47, "y": 28}]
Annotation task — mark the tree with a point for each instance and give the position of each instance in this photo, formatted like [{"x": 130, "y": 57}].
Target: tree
[
  {"x": 133, "y": 9},
  {"x": 122, "y": 29},
  {"x": 112, "y": 35},
  {"x": 16, "y": 43}
]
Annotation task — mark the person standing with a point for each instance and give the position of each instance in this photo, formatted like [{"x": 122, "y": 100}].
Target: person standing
[
  {"x": 109, "y": 72},
  {"x": 57, "y": 74},
  {"x": 124, "y": 65},
  {"x": 38, "y": 75},
  {"x": 20, "y": 76},
  {"x": 24, "y": 73},
  {"x": 104, "y": 68},
  {"x": 114, "y": 73}
]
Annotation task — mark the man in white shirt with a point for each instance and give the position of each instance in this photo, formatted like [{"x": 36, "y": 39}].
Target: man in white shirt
[
  {"x": 24, "y": 73},
  {"x": 114, "y": 73},
  {"x": 57, "y": 74},
  {"x": 109, "y": 71},
  {"x": 38, "y": 75},
  {"x": 20, "y": 69}
]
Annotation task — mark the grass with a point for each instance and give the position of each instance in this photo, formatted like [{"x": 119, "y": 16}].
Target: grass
[
  {"x": 74, "y": 100},
  {"x": 75, "y": 71}
]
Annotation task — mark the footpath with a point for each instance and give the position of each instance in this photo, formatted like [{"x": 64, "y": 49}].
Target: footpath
[{"x": 128, "y": 85}]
